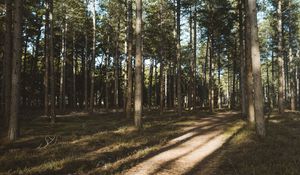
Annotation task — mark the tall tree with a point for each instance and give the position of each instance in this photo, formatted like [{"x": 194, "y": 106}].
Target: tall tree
[
  {"x": 257, "y": 81},
  {"x": 249, "y": 76},
  {"x": 13, "y": 132},
  {"x": 7, "y": 62},
  {"x": 51, "y": 61},
  {"x": 138, "y": 67},
  {"x": 129, "y": 61},
  {"x": 280, "y": 58},
  {"x": 93, "y": 58},
  {"x": 178, "y": 57}
]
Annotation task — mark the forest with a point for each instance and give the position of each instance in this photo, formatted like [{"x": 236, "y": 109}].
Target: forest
[{"x": 144, "y": 87}]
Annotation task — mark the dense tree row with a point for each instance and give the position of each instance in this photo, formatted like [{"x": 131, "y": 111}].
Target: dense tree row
[{"x": 152, "y": 54}]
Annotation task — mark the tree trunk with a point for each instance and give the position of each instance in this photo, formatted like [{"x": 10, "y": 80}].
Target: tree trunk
[
  {"x": 51, "y": 60},
  {"x": 242, "y": 59},
  {"x": 249, "y": 86},
  {"x": 150, "y": 84},
  {"x": 74, "y": 65},
  {"x": 280, "y": 59},
  {"x": 116, "y": 66},
  {"x": 211, "y": 77},
  {"x": 178, "y": 58},
  {"x": 292, "y": 81},
  {"x": 194, "y": 57},
  {"x": 62, "y": 68},
  {"x": 7, "y": 62},
  {"x": 13, "y": 131},
  {"x": 92, "y": 74},
  {"x": 162, "y": 66},
  {"x": 255, "y": 54},
  {"x": 138, "y": 68},
  {"x": 46, "y": 75},
  {"x": 129, "y": 61},
  {"x": 107, "y": 82},
  {"x": 86, "y": 72}
]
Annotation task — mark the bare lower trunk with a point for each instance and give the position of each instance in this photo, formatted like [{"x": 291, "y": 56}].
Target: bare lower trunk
[
  {"x": 129, "y": 62},
  {"x": 178, "y": 56},
  {"x": 74, "y": 65},
  {"x": 249, "y": 87},
  {"x": 280, "y": 60},
  {"x": 138, "y": 68},
  {"x": 92, "y": 74},
  {"x": 13, "y": 131},
  {"x": 255, "y": 54},
  {"x": 7, "y": 62},
  {"x": 242, "y": 59},
  {"x": 51, "y": 60},
  {"x": 150, "y": 85}
]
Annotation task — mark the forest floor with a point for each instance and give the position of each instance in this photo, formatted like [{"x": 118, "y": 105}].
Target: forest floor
[
  {"x": 103, "y": 143},
  {"x": 107, "y": 143}
]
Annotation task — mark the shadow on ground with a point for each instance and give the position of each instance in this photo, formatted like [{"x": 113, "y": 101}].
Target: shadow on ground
[
  {"x": 96, "y": 144},
  {"x": 247, "y": 154}
]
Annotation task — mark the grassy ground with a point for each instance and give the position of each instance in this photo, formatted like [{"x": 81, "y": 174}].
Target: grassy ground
[
  {"x": 96, "y": 144},
  {"x": 247, "y": 154}
]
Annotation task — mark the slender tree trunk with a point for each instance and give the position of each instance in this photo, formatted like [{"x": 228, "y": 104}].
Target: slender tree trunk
[
  {"x": 107, "y": 82},
  {"x": 62, "y": 68},
  {"x": 150, "y": 84},
  {"x": 46, "y": 76},
  {"x": 219, "y": 83},
  {"x": 51, "y": 60},
  {"x": 233, "y": 95},
  {"x": 273, "y": 82},
  {"x": 129, "y": 61},
  {"x": 292, "y": 81},
  {"x": 211, "y": 77},
  {"x": 13, "y": 131},
  {"x": 7, "y": 62},
  {"x": 74, "y": 65},
  {"x": 249, "y": 86},
  {"x": 280, "y": 59},
  {"x": 138, "y": 68},
  {"x": 162, "y": 64},
  {"x": 116, "y": 65},
  {"x": 242, "y": 59},
  {"x": 255, "y": 54},
  {"x": 178, "y": 57},
  {"x": 86, "y": 73},
  {"x": 194, "y": 57},
  {"x": 92, "y": 74}
]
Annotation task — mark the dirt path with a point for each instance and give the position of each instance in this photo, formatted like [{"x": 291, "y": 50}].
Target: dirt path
[{"x": 183, "y": 154}]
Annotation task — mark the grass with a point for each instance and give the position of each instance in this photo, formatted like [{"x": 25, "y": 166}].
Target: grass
[
  {"x": 89, "y": 144},
  {"x": 247, "y": 154}
]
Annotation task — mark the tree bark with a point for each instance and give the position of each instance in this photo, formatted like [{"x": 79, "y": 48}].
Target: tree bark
[
  {"x": 62, "y": 67},
  {"x": 129, "y": 61},
  {"x": 249, "y": 86},
  {"x": 242, "y": 59},
  {"x": 138, "y": 68},
  {"x": 13, "y": 131},
  {"x": 178, "y": 58},
  {"x": 51, "y": 60},
  {"x": 46, "y": 75},
  {"x": 7, "y": 62},
  {"x": 150, "y": 84},
  {"x": 116, "y": 66},
  {"x": 92, "y": 73},
  {"x": 280, "y": 59},
  {"x": 74, "y": 65},
  {"x": 255, "y": 54}
]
